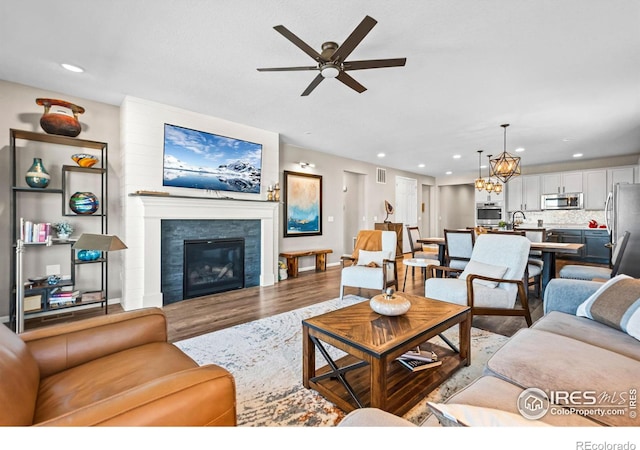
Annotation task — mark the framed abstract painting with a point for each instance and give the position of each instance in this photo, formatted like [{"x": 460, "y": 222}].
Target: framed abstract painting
[{"x": 302, "y": 204}]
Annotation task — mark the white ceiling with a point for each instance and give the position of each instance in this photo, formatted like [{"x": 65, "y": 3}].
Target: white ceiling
[{"x": 565, "y": 74}]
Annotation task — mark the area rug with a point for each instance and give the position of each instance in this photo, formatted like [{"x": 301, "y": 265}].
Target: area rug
[{"x": 265, "y": 357}]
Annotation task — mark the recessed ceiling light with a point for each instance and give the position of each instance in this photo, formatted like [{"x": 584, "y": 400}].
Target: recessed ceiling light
[
  {"x": 72, "y": 68},
  {"x": 566, "y": 140},
  {"x": 448, "y": 172},
  {"x": 520, "y": 149},
  {"x": 577, "y": 155},
  {"x": 457, "y": 156},
  {"x": 420, "y": 165},
  {"x": 381, "y": 155},
  {"x": 484, "y": 166}
]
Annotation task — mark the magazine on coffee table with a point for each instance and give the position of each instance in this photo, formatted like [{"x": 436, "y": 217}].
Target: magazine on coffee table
[{"x": 415, "y": 365}]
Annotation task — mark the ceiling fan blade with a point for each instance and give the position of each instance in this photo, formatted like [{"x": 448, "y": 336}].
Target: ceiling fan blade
[
  {"x": 298, "y": 42},
  {"x": 285, "y": 69},
  {"x": 374, "y": 64},
  {"x": 316, "y": 81},
  {"x": 349, "y": 81},
  {"x": 354, "y": 39}
]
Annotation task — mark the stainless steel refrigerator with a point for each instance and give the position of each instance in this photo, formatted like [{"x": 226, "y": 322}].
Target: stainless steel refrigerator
[{"x": 623, "y": 214}]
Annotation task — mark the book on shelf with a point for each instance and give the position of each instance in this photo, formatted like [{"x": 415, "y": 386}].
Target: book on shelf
[
  {"x": 70, "y": 294},
  {"x": 62, "y": 301},
  {"x": 416, "y": 365},
  {"x": 34, "y": 232}
]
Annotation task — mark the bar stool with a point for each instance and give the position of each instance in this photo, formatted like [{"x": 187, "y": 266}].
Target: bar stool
[{"x": 418, "y": 262}]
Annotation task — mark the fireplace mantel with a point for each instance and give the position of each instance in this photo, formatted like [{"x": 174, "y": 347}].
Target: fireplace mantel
[{"x": 142, "y": 286}]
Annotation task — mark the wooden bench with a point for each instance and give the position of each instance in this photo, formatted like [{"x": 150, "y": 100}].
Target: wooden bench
[{"x": 292, "y": 259}]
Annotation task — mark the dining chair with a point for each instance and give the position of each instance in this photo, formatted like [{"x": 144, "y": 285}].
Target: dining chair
[
  {"x": 372, "y": 265},
  {"x": 458, "y": 247},
  {"x": 536, "y": 265},
  {"x": 417, "y": 250},
  {"x": 581, "y": 272},
  {"x": 493, "y": 278}
]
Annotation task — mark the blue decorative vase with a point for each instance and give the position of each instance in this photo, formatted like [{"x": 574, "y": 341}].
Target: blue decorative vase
[
  {"x": 84, "y": 203},
  {"x": 89, "y": 255},
  {"x": 37, "y": 176}
]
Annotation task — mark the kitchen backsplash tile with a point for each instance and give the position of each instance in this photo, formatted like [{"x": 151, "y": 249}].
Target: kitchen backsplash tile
[{"x": 575, "y": 217}]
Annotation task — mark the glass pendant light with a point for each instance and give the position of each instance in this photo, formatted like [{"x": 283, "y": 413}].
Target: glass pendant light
[
  {"x": 489, "y": 185},
  {"x": 479, "y": 181}
]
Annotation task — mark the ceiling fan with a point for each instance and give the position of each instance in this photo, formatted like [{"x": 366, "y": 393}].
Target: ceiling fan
[{"x": 331, "y": 62}]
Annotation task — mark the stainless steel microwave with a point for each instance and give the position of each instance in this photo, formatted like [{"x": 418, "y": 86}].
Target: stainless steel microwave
[
  {"x": 488, "y": 214},
  {"x": 562, "y": 201}
]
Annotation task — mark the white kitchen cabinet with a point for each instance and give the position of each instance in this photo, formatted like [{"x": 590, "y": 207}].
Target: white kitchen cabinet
[
  {"x": 595, "y": 189},
  {"x": 484, "y": 197},
  {"x": 561, "y": 182},
  {"x": 514, "y": 194},
  {"x": 523, "y": 193},
  {"x": 619, "y": 175}
]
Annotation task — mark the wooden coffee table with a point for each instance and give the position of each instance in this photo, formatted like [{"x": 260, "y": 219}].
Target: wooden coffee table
[{"x": 369, "y": 376}]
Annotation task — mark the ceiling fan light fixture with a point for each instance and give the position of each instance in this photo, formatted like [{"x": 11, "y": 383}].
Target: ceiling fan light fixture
[{"x": 329, "y": 71}]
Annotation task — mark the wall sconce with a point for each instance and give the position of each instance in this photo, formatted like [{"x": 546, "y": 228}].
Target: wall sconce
[{"x": 304, "y": 165}]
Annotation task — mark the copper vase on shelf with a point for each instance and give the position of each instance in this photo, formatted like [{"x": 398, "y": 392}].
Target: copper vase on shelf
[{"x": 57, "y": 120}]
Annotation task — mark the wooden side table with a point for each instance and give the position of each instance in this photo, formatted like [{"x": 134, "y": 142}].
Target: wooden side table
[{"x": 397, "y": 227}]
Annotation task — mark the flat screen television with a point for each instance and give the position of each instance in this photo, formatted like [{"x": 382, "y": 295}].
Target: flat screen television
[{"x": 199, "y": 160}]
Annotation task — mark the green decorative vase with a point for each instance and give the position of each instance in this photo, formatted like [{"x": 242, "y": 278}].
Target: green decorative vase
[{"x": 37, "y": 176}]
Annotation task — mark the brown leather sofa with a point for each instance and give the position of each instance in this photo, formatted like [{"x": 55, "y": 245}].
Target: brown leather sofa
[{"x": 113, "y": 370}]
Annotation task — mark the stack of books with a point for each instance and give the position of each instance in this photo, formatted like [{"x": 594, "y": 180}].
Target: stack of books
[
  {"x": 417, "y": 359},
  {"x": 63, "y": 297}
]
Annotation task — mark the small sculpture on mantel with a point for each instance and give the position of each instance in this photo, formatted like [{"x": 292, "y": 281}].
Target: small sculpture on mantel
[
  {"x": 389, "y": 209},
  {"x": 276, "y": 193}
]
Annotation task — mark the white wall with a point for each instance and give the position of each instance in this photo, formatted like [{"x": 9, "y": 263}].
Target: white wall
[
  {"x": 142, "y": 125},
  {"x": 457, "y": 207},
  {"x": 332, "y": 169}
]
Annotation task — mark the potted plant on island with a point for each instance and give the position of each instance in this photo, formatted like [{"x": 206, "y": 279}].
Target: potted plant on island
[
  {"x": 63, "y": 229},
  {"x": 502, "y": 225}
]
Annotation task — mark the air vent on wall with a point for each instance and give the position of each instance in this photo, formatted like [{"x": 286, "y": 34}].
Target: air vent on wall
[{"x": 381, "y": 175}]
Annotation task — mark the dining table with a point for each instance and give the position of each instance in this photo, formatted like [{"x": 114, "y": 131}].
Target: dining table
[{"x": 549, "y": 251}]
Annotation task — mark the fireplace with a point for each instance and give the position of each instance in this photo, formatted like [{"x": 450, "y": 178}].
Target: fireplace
[{"x": 212, "y": 266}]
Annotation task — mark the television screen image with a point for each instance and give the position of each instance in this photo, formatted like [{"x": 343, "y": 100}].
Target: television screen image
[{"x": 200, "y": 160}]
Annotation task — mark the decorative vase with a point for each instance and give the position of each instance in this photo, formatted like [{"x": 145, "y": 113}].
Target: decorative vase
[
  {"x": 58, "y": 120},
  {"x": 64, "y": 236},
  {"x": 37, "y": 176},
  {"x": 84, "y": 203},
  {"x": 388, "y": 304},
  {"x": 89, "y": 255}
]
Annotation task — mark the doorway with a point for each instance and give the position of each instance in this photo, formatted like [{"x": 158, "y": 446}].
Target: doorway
[
  {"x": 406, "y": 207},
  {"x": 352, "y": 208}
]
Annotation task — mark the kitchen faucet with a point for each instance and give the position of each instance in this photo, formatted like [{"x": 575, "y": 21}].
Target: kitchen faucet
[{"x": 513, "y": 218}]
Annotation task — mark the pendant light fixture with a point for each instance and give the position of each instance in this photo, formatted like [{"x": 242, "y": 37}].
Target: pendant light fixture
[
  {"x": 479, "y": 180},
  {"x": 488, "y": 185},
  {"x": 505, "y": 166}
]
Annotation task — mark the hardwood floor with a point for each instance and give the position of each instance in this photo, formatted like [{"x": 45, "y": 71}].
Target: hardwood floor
[{"x": 202, "y": 315}]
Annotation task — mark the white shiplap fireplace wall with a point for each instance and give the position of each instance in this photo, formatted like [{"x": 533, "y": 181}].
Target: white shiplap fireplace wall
[{"x": 142, "y": 134}]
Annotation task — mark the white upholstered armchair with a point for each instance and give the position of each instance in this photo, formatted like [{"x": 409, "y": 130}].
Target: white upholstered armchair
[
  {"x": 492, "y": 280},
  {"x": 373, "y": 262}
]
